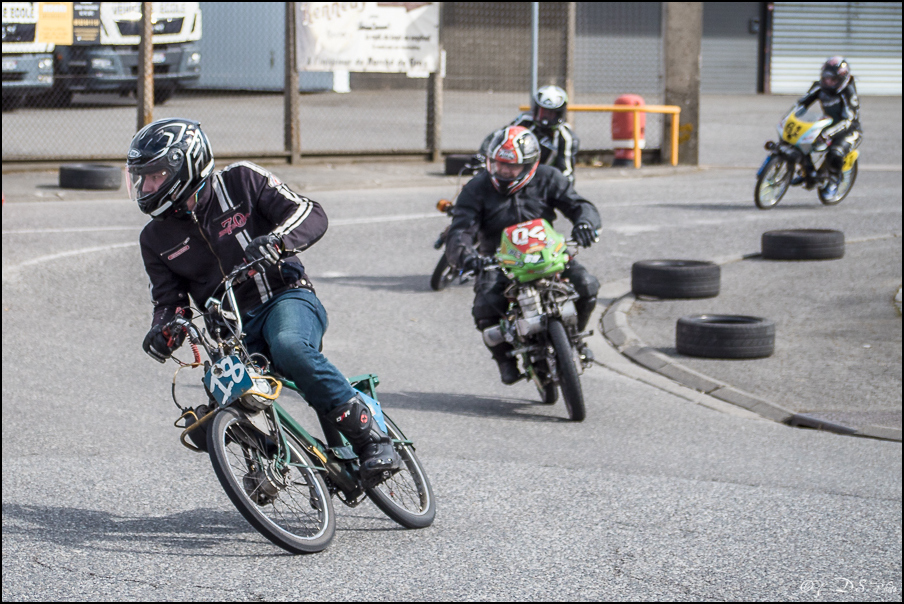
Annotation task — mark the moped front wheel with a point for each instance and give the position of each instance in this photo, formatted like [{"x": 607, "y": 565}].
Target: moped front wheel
[
  {"x": 773, "y": 181},
  {"x": 288, "y": 503},
  {"x": 443, "y": 274},
  {"x": 405, "y": 495},
  {"x": 569, "y": 380}
]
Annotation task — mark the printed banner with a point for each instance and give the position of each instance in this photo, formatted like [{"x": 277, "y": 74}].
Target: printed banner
[{"x": 382, "y": 37}]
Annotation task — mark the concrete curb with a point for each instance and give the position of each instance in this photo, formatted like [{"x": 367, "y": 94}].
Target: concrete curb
[{"x": 615, "y": 329}]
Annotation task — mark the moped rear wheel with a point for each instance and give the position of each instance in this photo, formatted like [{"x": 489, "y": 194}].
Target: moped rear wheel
[
  {"x": 406, "y": 495},
  {"x": 288, "y": 504},
  {"x": 569, "y": 380},
  {"x": 773, "y": 182},
  {"x": 844, "y": 187}
]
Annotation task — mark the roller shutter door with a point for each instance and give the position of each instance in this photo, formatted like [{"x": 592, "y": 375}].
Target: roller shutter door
[{"x": 867, "y": 34}]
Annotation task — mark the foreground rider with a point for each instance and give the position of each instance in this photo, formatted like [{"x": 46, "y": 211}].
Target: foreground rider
[
  {"x": 516, "y": 188},
  {"x": 837, "y": 94},
  {"x": 205, "y": 224},
  {"x": 558, "y": 142}
]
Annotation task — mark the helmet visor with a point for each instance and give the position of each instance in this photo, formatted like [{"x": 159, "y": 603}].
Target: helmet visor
[
  {"x": 148, "y": 180},
  {"x": 830, "y": 80},
  {"x": 508, "y": 172},
  {"x": 549, "y": 117}
]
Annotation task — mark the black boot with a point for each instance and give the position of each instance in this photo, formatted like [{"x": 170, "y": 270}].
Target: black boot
[
  {"x": 508, "y": 366},
  {"x": 372, "y": 446},
  {"x": 585, "y": 307}
]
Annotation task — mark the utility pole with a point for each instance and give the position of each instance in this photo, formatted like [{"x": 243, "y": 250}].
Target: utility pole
[
  {"x": 292, "y": 108},
  {"x": 145, "y": 91},
  {"x": 682, "y": 33}
]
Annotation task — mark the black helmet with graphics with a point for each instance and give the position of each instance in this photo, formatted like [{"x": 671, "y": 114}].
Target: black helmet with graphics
[
  {"x": 835, "y": 74},
  {"x": 168, "y": 162}
]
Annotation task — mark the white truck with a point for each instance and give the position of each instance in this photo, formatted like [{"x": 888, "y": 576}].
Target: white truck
[
  {"x": 112, "y": 64},
  {"x": 27, "y": 65}
]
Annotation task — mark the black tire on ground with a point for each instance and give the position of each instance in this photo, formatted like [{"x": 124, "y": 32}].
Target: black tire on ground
[
  {"x": 406, "y": 496},
  {"x": 90, "y": 176},
  {"x": 569, "y": 380},
  {"x": 803, "y": 244},
  {"x": 675, "y": 278},
  {"x": 443, "y": 274},
  {"x": 456, "y": 163},
  {"x": 844, "y": 187},
  {"x": 725, "y": 336},
  {"x": 298, "y": 514},
  {"x": 773, "y": 182}
]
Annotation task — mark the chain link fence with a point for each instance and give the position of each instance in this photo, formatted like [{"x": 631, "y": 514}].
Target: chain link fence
[{"x": 237, "y": 94}]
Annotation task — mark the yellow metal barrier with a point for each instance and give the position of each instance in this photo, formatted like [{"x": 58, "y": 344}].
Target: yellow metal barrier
[{"x": 636, "y": 109}]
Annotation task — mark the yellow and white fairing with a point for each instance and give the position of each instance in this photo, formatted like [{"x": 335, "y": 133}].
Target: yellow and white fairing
[{"x": 802, "y": 128}]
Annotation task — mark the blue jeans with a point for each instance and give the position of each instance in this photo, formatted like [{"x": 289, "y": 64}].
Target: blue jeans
[{"x": 288, "y": 329}]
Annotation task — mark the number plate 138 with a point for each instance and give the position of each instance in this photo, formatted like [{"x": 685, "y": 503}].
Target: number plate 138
[{"x": 227, "y": 380}]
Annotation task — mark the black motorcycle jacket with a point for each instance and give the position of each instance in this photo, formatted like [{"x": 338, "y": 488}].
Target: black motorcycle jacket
[
  {"x": 188, "y": 255},
  {"x": 842, "y": 106},
  {"x": 479, "y": 203},
  {"x": 558, "y": 148}
]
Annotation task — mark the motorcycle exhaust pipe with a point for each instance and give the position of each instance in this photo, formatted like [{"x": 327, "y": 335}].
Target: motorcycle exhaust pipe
[
  {"x": 493, "y": 336},
  {"x": 569, "y": 313}
]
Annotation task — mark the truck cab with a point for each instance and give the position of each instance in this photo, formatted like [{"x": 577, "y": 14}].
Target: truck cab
[
  {"x": 27, "y": 65},
  {"x": 112, "y": 65}
]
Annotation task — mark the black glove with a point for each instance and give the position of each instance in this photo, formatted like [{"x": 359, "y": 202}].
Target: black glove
[
  {"x": 264, "y": 250},
  {"x": 584, "y": 234},
  {"x": 476, "y": 262},
  {"x": 160, "y": 345}
]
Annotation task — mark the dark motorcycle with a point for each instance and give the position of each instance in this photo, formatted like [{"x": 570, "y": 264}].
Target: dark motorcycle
[
  {"x": 541, "y": 321},
  {"x": 446, "y": 273}
]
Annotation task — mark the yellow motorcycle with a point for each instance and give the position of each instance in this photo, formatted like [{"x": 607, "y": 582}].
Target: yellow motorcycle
[{"x": 798, "y": 158}]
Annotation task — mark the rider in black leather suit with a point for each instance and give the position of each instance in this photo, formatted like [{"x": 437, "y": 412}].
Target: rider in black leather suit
[{"x": 837, "y": 94}]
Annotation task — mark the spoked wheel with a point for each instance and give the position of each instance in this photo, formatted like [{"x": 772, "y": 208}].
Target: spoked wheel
[
  {"x": 773, "y": 182},
  {"x": 844, "y": 187},
  {"x": 569, "y": 381},
  {"x": 443, "y": 274},
  {"x": 289, "y": 504},
  {"x": 406, "y": 496}
]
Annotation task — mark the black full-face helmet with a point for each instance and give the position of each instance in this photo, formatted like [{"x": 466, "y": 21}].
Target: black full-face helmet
[
  {"x": 835, "y": 74},
  {"x": 168, "y": 162},
  {"x": 548, "y": 107}
]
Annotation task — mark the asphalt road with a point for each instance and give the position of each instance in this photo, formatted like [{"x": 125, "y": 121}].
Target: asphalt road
[{"x": 657, "y": 495}]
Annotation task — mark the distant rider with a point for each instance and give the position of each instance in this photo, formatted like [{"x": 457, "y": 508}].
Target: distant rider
[
  {"x": 558, "y": 142},
  {"x": 837, "y": 94},
  {"x": 205, "y": 224},
  {"x": 515, "y": 188}
]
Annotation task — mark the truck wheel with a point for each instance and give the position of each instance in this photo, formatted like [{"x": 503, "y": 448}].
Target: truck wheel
[
  {"x": 90, "y": 176},
  {"x": 803, "y": 244},
  {"x": 675, "y": 278},
  {"x": 162, "y": 95},
  {"x": 725, "y": 336}
]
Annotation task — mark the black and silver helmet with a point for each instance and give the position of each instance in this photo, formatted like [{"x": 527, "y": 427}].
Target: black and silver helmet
[
  {"x": 835, "y": 74},
  {"x": 548, "y": 107},
  {"x": 168, "y": 162}
]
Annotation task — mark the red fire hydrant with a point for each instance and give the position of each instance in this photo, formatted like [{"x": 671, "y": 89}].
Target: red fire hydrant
[{"x": 623, "y": 129}]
